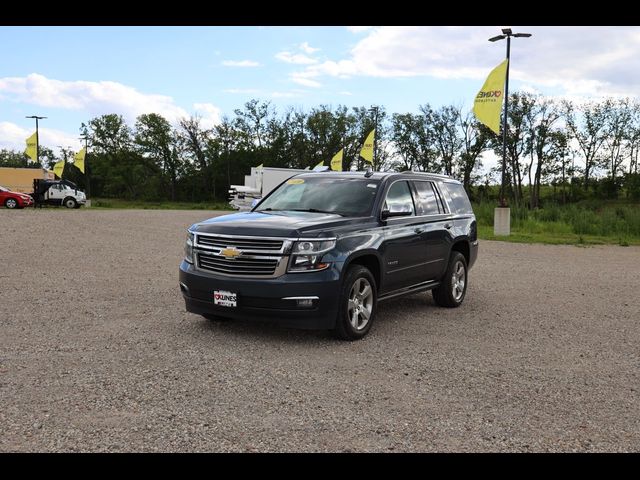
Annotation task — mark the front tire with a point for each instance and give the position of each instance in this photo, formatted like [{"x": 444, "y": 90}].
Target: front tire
[
  {"x": 453, "y": 288},
  {"x": 70, "y": 202},
  {"x": 11, "y": 203},
  {"x": 358, "y": 301}
]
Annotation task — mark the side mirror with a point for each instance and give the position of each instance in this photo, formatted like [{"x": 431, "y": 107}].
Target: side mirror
[{"x": 385, "y": 214}]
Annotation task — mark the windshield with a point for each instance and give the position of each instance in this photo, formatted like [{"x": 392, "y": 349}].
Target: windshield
[
  {"x": 2, "y": 189},
  {"x": 350, "y": 197}
]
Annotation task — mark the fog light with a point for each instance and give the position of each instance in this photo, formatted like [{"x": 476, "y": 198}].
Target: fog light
[{"x": 305, "y": 302}]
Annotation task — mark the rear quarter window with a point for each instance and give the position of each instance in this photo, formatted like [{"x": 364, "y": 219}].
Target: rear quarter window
[{"x": 459, "y": 201}]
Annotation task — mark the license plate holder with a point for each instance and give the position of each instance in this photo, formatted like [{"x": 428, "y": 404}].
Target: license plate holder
[{"x": 225, "y": 298}]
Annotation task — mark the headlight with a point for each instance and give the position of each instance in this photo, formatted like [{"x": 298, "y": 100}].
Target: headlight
[
  {"x": 306, "y": 255},
  {"x": 188, "y": 248}
]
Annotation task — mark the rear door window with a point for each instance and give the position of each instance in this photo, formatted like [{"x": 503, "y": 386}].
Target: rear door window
[{"x": 427, "y": 201}]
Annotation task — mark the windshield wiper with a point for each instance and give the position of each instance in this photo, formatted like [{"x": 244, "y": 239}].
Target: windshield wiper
[{"x": 315, "y": 210}]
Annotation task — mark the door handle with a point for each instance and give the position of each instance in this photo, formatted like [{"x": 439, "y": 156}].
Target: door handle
[
  {"x": 419, "y": 230},
  {"x": 448, "y": 226}
]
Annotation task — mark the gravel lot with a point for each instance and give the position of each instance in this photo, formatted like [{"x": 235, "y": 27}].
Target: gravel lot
[{"x": 98, "y": 354}]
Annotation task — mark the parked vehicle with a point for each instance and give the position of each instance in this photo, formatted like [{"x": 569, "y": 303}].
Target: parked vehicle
[
  {"x": 14, "y": 199},
  {"x": 322, "y": 249},
  {"x": 58, "y": 192},
  {"x": 257, "y": 185}
]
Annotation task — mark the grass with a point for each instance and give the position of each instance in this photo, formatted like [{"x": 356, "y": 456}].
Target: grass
[
  {"x": 585, "y": 223},
  {"x": 110, "y": 203}
]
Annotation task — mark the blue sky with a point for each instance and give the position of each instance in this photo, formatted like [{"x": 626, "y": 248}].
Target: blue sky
[{"x": 71, "y": 74}]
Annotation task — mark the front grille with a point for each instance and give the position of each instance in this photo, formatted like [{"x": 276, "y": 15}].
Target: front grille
[
  {"x": 256, "y": 244},
  {"x": 238, "y": 266}
]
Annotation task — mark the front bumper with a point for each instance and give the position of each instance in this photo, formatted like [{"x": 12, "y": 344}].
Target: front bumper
[{"x": 264, "y": 299}]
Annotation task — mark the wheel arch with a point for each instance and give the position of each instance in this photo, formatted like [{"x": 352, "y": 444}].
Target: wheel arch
[{"x": 369, "y": 259}]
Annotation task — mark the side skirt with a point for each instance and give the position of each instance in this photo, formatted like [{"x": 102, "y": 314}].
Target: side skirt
[{"x": 420, "y": 287}]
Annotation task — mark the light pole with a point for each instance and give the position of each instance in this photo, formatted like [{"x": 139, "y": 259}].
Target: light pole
[
  {"x": 37, "y": 137},
  {"x": 85, "y": 137},
  {"x": 506, "y": 33},
  {"x": 374, "y": 109}
]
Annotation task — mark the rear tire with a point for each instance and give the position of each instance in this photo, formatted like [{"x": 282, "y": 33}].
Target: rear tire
[
  {"x": 357, "y": 304},
  {"x": 453, "y": 288}
]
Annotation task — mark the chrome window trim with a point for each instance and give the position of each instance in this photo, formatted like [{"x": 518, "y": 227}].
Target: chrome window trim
[{"x": 301, "y": 298}]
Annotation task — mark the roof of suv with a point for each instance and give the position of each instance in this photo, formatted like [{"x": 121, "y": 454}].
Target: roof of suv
[{"x": 378, "y": 175}]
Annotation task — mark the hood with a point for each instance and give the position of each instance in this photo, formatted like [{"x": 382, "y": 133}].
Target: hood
[{"x": 274, "y": 224}]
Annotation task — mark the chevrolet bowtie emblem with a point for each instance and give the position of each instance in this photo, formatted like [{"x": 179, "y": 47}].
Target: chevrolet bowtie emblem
[{"x": 230, "y": 252}]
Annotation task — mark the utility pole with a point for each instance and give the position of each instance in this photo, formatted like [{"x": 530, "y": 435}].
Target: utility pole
[
  {"x": 37, "y": 136},
  {"x": 86, "y": 164}
]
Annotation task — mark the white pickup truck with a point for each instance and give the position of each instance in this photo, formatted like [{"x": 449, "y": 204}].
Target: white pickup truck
[{"x": 57, "y": 192}]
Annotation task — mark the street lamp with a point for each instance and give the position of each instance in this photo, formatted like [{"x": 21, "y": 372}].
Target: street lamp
[
  {"x": 37, "y": 137},
  {"x": 506, "y": 33},
  {"x": 374, "y": 110}
]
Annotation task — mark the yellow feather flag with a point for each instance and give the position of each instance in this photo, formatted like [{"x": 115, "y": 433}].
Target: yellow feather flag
[
  {"x": 79, "y": 159},
  {"x": 32, "y": 149},
  {"x": 367, "y": 149},
  {"x": 336, "y": 161},
  {"x": 319, "y": 165},
  {"x": 58, "y": 168},
  {"x": 488, "y": 102}
]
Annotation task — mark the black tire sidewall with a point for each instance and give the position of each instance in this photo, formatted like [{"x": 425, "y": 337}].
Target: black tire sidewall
[
  {"x": 344, "y": 329},
  {"x": 6, "y": 203},
  {"x": 442, "y": 294},
  {"x": 66, "y": 200}
]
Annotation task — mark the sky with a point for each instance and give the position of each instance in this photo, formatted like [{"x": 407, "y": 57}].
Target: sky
[{"x": 72, "y": 74}]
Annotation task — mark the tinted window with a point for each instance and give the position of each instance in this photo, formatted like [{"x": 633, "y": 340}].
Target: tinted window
[
  {"x": 459, "y": 200},
  {"x": 399, "y": 198},
  {"x": 345, "y": 196},
  {"x": 427, "y": 202}
]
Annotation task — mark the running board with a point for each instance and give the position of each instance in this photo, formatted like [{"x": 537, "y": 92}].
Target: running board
[{"x": 409, "y": 290}]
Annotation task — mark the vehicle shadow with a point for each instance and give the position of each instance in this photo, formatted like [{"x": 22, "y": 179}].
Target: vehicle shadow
[{"x": 271, "y": 332}]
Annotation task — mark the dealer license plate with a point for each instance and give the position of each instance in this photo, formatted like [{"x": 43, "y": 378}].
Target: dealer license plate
[{"x": 224, "y": 298}]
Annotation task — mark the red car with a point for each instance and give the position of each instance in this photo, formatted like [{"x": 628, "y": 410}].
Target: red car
[{"x": 14, "y": 199}]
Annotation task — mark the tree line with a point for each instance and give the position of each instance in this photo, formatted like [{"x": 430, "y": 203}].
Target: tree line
[{"x": 581, "y": 149}]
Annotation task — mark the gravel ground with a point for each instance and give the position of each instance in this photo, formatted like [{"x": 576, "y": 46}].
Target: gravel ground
[{"x": 98, "y": 354}]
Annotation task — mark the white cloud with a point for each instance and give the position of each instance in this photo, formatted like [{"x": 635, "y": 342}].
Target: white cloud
[
  {"x": 307, "y": 82},
  {"x": 13, "y": 137},
  {"x": 345, "y": 92},
  {"x": 295, "y": 58},
  {"x": 306, "y": 48},
  {"x": 577, "y": 60},
  {"x": 358, "y": 29},
  {"x": 209, "y": 113},
  {"x": 96, "y": 98},
  {"x": 240, "y": 63}
]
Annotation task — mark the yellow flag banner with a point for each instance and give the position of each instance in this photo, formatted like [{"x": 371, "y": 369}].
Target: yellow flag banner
[
  {"x": 58, "y": 168},
  {"x": 367, "y": 149},
  {"x": 32, "y": 148},
  {"x": 79, "y": 159},
  {"x": 488, "y": 102},
  {"x": 319, "y": 164},
  {"x": 336, "y": 161}
]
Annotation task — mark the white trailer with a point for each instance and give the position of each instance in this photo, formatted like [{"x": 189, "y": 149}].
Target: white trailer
[{"x": 261, "y": 181}]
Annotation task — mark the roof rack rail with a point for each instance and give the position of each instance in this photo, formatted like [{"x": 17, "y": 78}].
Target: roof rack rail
[{"x": 427, "y": 173}]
